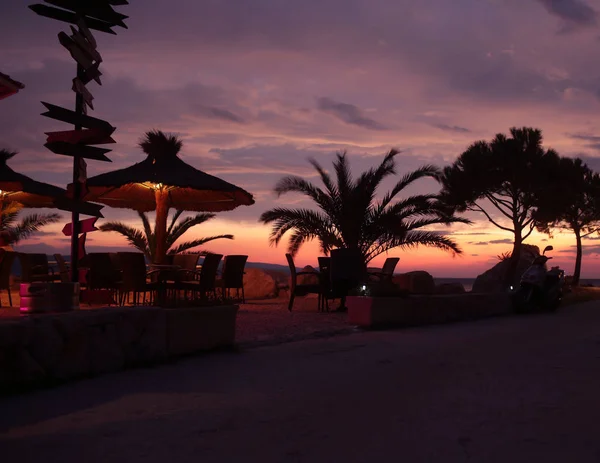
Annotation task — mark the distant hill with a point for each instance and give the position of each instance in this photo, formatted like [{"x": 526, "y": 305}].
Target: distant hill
[{"x": 266, "y": 266}]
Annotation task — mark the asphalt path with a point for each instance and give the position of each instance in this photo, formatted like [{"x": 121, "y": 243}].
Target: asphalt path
[{"x": 518, "y": 389}]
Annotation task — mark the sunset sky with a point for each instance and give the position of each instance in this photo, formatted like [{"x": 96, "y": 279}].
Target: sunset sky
[{"x": 254, "y": 88}]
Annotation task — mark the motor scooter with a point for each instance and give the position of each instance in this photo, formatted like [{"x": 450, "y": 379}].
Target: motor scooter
[{"x": 540, "y": 289}]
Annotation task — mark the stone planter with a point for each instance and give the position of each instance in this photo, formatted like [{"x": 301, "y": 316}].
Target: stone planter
[
  {"x": 41, "y": 297},
  {"x": 377, "y": 312},
  {"x": 49, "y": 348}
]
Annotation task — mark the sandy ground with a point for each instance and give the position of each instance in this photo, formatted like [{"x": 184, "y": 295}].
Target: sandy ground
[
  {"x": 515, "y": 389},
  {"x": 263, "y": 322}
]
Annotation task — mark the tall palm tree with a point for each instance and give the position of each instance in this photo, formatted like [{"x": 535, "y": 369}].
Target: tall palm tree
[
  {"x": 349, "y": 216},
  {"x": 145, "y": 240},
  {"x": 13, "y": 231}
]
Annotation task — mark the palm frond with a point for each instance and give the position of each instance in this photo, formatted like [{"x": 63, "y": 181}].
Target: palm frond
[
  {"x": 426, "y": 171},
  {"x": 195, "y": 243},
  {"x": 344, "y": 177},
  {"x": 134, "y": 236},
  {"x": 31, "y": 224},
  {"x": 186, "y": 224},
  {"x": 174, "y": 220}
]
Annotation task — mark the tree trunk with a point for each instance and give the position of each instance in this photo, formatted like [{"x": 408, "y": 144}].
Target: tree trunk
[
  {"x": 577, "y": 271},
  {"x": 513, "y": 263},
  {"x": 160, "y": 229}
]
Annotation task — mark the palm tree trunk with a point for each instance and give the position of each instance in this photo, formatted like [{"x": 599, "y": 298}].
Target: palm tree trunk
[
  {"x": 577, "y": 271},
  {"x": 160, "y": 229}
]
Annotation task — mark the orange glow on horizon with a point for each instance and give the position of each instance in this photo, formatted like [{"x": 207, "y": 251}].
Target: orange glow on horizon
[{"x": 481, "y": 246}]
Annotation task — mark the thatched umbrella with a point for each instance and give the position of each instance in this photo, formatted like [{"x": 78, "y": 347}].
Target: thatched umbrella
[
  {"x": 163, "y": 181},
  {"x": 16, "y": 187},
  {"x": 19, "y": 188},
  {"x": 8, "y": 86}
]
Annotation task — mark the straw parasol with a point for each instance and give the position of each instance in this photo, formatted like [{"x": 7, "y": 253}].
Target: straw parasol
[
  {"x": 20, "y": 188},
  {"x": 8, "y": 86},
  {"x": 163, "y": 181}
]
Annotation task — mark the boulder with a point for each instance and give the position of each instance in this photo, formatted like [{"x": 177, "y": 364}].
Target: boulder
[
  {"x": 450, "y": 288},
  {"x": 492, "y": 279},
  {"x": 416, "y": 282},
  {"x": 258, "y": 284},
  {"x": 308, "y": 279}
]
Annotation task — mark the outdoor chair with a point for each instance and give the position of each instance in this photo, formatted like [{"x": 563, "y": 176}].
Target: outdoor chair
[
  {"x": 63, "y": 268},
  {"x": 387, "y": 271},
  {"x": 134, "y": 278},
  {"x": 232, "y": 276},
  {"x": 6, "y": 261},
  {"x": 347, "y": 271},
  {"x": 202, "y": 282},
  {"x": 186, "y": 262},
  {"x": 297, "y": 289},
  {"x": 324, "y": 280},
  {"x": 103, "y": 274},
  {"x": 34, "y": 267}
]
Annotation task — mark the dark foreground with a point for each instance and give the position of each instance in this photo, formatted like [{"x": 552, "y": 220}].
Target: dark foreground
[{"x": 513, "y": 389}]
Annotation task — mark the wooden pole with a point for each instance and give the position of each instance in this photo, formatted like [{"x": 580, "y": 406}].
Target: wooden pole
[
  {"x": 76, "y": 190},
  {"x": 160, "y": 228}
]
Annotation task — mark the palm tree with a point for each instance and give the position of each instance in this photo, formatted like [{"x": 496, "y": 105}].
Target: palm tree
[
  {"x": 349, "y": 216},
  {"x": 145, "y": 240},
  {"x": 11, "y": 231}
]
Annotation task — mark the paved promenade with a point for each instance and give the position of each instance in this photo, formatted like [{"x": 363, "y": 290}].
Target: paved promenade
[{"x": 503, "y": 390}]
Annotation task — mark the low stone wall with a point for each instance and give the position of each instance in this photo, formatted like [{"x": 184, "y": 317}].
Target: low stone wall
[
  {"x": 51, "y": 348},
  {"x": 374, "y": 312}
]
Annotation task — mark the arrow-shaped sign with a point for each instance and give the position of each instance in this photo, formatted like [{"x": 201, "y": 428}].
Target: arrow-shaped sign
[
  {"x": 95, "y": 9},
  {"x": 88, "y": 152},
  {"x": 85, "y": 226},
  {"x": 67, "y": 204},
  {"x": 71, "y": 117},
  {"x": 76, "y": 52},
  {"x": 82, "y": 137},
  {"x": 92, "y": 73},
  {"x": 79, "y": 87},
  {"x": 68, "y": 17},
  {"x": 86, "y": 46},
  {"x": 86, "y": 33}
]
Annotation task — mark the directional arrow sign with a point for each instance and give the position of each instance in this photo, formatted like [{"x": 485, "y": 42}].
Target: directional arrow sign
[
  {"x": 86, "y": 46},
  {"x": 86, "y": 33},
  {"x": 85, "y": 226},
  {"x": 76, "y": 52},
  {"x": 92, "y": 73},
  {"x": 95, "y": 9},
  {"x": 71, "y": 117},
  {"x": 79, "y": 87},
  {"x": 88, "y": 152},
  {"x": 68, "y": 17},
  {"x": 66, "y": 204},
  {"x": 71, "y": 190},
  {"x": 82, "y": 137}
]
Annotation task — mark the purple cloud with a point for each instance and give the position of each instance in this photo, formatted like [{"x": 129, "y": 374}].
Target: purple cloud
[
  {"x": 576, "y": 12},
  {"x": 348, "y": 113}
]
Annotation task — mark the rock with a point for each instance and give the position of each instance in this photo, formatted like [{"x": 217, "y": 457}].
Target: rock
[
  {"x": 492, "y": 279},
  {"x": 258, "y": 284},
  {"x": 416, "y": 282},
  {"x": 450, "y": 288},
  {"x": 308, "y": 279}
]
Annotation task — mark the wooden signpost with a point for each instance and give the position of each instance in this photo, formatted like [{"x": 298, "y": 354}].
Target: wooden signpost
[{"x": 85, "y": 16}]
